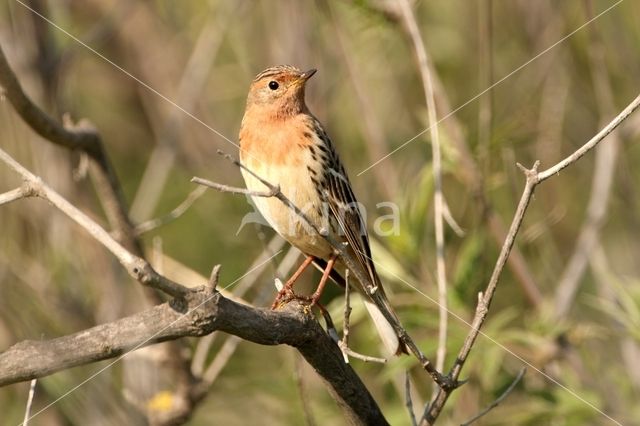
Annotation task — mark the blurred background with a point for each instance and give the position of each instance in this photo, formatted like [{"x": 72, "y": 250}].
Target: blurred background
[{"x": 568, "y": 302}]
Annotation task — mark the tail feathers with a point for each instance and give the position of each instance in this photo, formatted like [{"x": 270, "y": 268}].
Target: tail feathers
[{"x": 388, "y": 335}]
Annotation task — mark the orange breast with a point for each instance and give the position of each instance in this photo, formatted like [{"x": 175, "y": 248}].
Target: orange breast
[{"x": 280, "y": 141}]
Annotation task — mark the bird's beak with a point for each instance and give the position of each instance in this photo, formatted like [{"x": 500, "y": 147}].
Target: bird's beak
[{"x": 307, "y": 75}]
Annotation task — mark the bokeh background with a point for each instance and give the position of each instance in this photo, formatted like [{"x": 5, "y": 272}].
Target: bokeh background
[{"x": 581, "y": 231}]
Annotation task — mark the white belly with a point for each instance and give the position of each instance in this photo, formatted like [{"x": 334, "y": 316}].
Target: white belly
[{"x": 286, "y": 222}]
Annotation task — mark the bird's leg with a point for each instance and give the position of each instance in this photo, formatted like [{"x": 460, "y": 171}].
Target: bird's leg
[
  {"x": 323, "y": 281},
  {"x": 287, "y": 288}
]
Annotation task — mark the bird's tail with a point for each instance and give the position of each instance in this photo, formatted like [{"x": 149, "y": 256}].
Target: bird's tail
[
  {"x": 386, "y": 331},
  {"x": 383, "y": 323}
]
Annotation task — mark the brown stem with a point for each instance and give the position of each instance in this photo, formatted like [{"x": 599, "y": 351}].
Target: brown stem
[{"x": 199, "y": 314}]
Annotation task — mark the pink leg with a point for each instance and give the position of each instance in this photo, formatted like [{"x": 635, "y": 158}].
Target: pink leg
[
  {"x": 287, "y": 289},
  {"x": 323, "y": 281}
]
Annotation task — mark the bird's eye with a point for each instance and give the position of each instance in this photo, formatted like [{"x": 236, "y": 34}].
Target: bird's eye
[{"x": 273, "y": 85}]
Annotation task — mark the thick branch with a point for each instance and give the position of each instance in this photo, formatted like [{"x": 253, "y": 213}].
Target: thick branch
[{"x": 198, "y": 314}]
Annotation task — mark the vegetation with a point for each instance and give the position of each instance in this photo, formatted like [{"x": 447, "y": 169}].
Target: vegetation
[{"x": 164, "y": 83}]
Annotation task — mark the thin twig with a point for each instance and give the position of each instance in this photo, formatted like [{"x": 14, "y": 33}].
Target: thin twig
[
  {"x": 82, "y": 136},
  {"x": 468, "y": 170},
  {"x": 15, "y": 194},
  {"x": 220, "y": 361},
  {"x": 201, "y": 352},
  {"x": 420, "y": 51},
  {"x": 168, "y": 127},
  {"x": 385, "y": 174},
  {"x": 448, "y": 217},
  {"x": 346, "y": 351},
  {"x": 408, "y": 401},
  {"x": 199, "y": 313},
  {"x": 533, "y": 178},
  {"x": 27, "y": 410},
  {"x": 214, "y": 277},
  {"x": 137, "y": 267},
  {"x": 498, "y": 400},
  {"x": 233, "y": 190},
  {"x": 173, "y": 214},
  {"x": 601, "y": 184},
  {"x": 347, "y": 315},
  {"x": 575, "y": 156}
]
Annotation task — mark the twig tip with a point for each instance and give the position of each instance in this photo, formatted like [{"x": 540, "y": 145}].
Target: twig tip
[{"x": 214, "y": 277}]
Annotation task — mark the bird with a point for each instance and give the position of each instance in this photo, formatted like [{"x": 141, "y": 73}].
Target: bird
[{"x": 284, "y": 144}]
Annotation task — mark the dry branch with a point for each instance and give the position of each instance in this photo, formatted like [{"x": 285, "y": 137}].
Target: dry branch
[
  {"x": 533, "y": 178},
  {"x": 137, "y": 267},
  {"x": 420, "y": 52},
  {"x": 198, "y": 314},
  {"x": 498, "y": 400},
  {"x": 82, "y": 137}
]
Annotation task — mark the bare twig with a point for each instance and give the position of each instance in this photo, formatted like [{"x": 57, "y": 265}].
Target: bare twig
[
  {"x": 344, "y": 343},
  {"x": 304, "y": 395},
  {"x": 222, "y": 358},
  {"x": 556, "y": 169},
  {"x": 24, "y": 191},
  {"x": 202, "y": 349},
  {"x": 346, "y": 351},
  {"x": 233, "y": 190},
  {"x": 601, "y": 184},
  {"x": 420, "y": 51},
  {"x": 448, "y": 217},
  {"x": 137, "y": 267},
  {"x": 83, "y": 137},
  {"x": 168, "y": 127},
  {"x": 498, "y": 400},
  {"x": 173, "y": 214},
  {"x": 408, "y": 401},
  {"x": 385, "y": 174},
  {"x": 214, "y": 277},
  {"x": 469, "y": 172},
  {"x": 533, "y": 178},
  {"x": 27, "y": 410}
]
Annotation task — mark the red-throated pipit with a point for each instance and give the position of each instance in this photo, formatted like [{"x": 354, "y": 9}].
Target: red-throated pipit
[{"x": 283, "y": 143}]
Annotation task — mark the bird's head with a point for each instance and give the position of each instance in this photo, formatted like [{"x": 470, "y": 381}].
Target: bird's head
[{"x": 279, "y": 90}]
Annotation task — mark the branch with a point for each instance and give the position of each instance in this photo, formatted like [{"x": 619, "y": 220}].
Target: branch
[
  {"x": 195, "y": 313},
  {"x": 174, "y": 214},
  {"x": 601, "y": 184},
  {"x": 23, "y": 191},
  {"x": 199, "y": 313},
  {"x": 27, "y": 410},
  {"x": 533, "y": 178},
  {"x": 82, "y": 137},
  {"x": 498, "y": 400},
  {"x": 408, "y": 401},
  {"x": 420, "y": 51},
  {"x": 137, "y": 267},
  {"x": 468, "y": 171},
  {"x": 272, "y": 192}
]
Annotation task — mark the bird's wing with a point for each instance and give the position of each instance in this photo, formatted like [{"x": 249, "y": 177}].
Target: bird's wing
[{"x": 344, "y": 208}]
